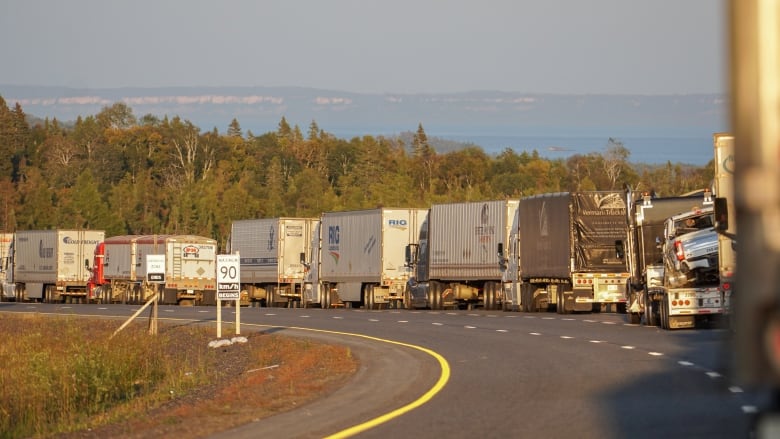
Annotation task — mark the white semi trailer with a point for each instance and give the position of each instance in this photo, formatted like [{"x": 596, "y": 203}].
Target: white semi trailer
[
  {"x": 53, "y": 265},
  {"x": 358, "y": 258},
  {"x": 272, "y": 252},
  {"x": 189, "y": 278}
]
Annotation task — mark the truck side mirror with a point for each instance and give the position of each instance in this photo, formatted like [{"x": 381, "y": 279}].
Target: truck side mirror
[
  {"x": 721, "y": 214},
  {"x": 303, "y": 258},
  {"x": 86, "y": 263},
  {"x": 500, "y": 250},
  {"x": 619, "y": 249}
]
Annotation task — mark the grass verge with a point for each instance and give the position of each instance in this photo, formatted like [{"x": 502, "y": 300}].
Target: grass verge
[{"x": 64, "y": 377}]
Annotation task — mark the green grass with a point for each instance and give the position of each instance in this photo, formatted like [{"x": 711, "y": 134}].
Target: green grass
[{"x": 60, "y": 374}]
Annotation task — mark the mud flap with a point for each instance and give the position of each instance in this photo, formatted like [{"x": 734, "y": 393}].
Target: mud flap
[{"x": 681, "y": 322}]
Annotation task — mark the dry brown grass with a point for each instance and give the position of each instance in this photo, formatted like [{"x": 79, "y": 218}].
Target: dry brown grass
[{"x": 169, "y": 385}]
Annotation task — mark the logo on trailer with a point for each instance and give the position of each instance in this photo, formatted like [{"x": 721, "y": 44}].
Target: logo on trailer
[
  {"x": 398, "y": 223},
  {"x": 190, "y": 251},
  {"x": 334, "y": 236}
]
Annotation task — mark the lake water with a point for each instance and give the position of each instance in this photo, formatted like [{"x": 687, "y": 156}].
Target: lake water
[{"x": 652, "y": 150}]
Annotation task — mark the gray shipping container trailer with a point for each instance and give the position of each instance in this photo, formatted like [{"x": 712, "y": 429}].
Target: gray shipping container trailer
[
  {"x": 362, "y": 255},
  {"x": 53, "y": 265},
  {"x": 270, "y": 253}
]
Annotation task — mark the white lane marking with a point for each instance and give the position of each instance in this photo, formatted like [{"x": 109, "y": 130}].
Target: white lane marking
[
  {"x": 655, "y": 354},
  {"x": 437, "y": 324},
  {"x": 534, "y": 333},
  {"x": 713, "y": 375},
  {"x": 735, "y": 389},
  {"x": 338, "y": 317},
  {"x": 608, "y": 323},
  {"x": 451, "y": 313},
  {"x": 304, "y": 317},
  {"x": 270, "y": 314},
  {"x": 568, "y": 320},
  {"x": 202, "y": 311},
  {"x": 403, "y": 321},
  {"x": 501, "y": 330},
  {"x": 548, "y": 318},
  {"x": 685, "y": 363},
  {"x": 473, "y": 315},
  {"x": 511, "y": 317},
  {"x": 566, "y": 337},
  {"x": 627, "y": 347},
  {"x": 492, "y": 315},
  {"x": 589, "y": 321},
  {"x": 167, "y": 310},
  {"x": 66, "y": 307},
  {"x": 373, "y": 320},
  {"x": 595, "y": 341},
  {"x": 470, "y": 327},
  {"x": 102, "y": 308},
  {"x": 529, "y": 317}
]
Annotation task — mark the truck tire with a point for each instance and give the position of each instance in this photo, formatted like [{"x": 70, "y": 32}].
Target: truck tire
[
  {"x": 407, "y": 304},
  {"x": 434, "y": 295},
  {"x": 526, "y": 291},
  {"x": 665, "y": 314},
  {"x": 368, "y": 297},
  {"x": 488, "y": 296},
  {"x": 650, "y": 316}
]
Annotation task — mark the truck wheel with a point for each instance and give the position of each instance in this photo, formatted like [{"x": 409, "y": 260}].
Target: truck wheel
[
  {"x": 525, "y": 298},
  {"x": 368, "y": 297},
  {"x": 650, "y": 316},
  {"x": 665, "y": 314},
  {"x": 433, "y": 292},
  {"x": 487, "y": 292},
  {"x": 407, "y": 299}
]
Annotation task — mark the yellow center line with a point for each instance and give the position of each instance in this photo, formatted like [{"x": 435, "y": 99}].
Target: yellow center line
[{"x": 359, "y": 428}]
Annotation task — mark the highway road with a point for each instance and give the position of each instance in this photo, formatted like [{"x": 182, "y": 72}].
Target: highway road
[{"x": 490, "y": 374}]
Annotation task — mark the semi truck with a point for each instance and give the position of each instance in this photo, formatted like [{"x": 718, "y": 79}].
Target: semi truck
[
  {"x": 270, "y": 249},
  {"x": 6, "y": 287},
  {"x": 564, "y": 253},
  {"x": 655, "y": 243},
  {"x": 120, "y": 272},
  {"x": 453, "y": 261},
  {"x": 358, "y": 257},
  {"x": 52, "y": 265},
  {"x": 725, "y": 215}
]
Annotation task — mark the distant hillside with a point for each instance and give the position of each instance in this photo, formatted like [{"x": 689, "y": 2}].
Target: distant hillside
[{"x": 469, "y": 117}]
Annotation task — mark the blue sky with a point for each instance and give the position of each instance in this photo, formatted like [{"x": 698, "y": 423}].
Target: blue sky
[{"x": 369, "y": 46}]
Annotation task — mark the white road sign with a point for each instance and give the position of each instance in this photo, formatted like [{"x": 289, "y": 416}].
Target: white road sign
[
  {"x": 228, "y": 277},
  {"x": 155, "y": 268}
]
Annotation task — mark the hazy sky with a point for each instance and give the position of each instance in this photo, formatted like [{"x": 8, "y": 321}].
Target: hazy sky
[{"x": 369, "y": 46}]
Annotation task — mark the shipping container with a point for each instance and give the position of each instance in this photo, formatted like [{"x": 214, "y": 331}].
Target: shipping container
[
  {"x": 361, "y": 255},
  {"x": 271, "y": 252},
  {"x": 53, "y": 265},
  {"x": 455, "y": 261}
]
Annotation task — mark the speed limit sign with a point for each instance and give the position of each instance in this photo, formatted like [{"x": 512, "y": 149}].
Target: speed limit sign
[{"x": 228, "y": 277}]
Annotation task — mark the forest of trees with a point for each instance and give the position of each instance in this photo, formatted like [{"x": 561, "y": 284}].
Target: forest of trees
[{"x": 123, "y": 174}]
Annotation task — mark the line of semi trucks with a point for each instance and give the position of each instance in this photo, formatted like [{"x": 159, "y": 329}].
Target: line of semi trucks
[{"x": 662, "y": 261}]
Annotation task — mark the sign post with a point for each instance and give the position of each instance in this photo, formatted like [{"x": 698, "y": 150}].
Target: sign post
[
  {"x": 228, "y": 287},
  {"x": 155, "y": 274}
]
